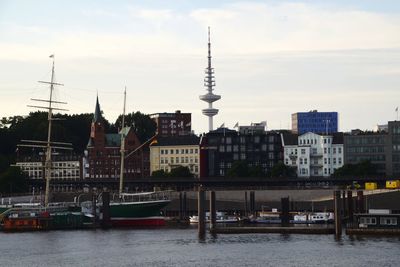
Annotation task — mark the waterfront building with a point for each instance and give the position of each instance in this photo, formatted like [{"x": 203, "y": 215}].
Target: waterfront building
[
  {"x": 103, "y": 152},
  {"x": 313, "y": 154},
  {"x": 170, "y": 152},
  {"x": 221, "y": 148},
  {"x": 381, "y": 148},
  {"x": 172, "y": 124},
  {"x": 209, "y": 83},
  {"x": 67, "y": 166},
  {"x": 315, "y": 122}
]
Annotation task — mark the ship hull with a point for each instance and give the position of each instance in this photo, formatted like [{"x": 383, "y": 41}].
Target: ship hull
[{"x": 137, "y": 214}]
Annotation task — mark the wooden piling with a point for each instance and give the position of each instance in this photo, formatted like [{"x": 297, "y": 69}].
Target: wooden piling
[
  {"x": 213, "y": 215},
  {"x": 350, "y": 210},
  {"x": 252, "y": 202},
  {"x": 94, "y": 206},
  {"x": 185, "y": 215},
  {"x": 201, "y": 212},
  {"x": 245, "y": 204},
  {"x": 285, "y": 219},
  {"x": 360, "y": 202},
  {"x": 106, "y": 222},
  {"x": 180, "y": 207},
  {"x": 344, "y": 206},
  {"x": 338, "y": 221}
]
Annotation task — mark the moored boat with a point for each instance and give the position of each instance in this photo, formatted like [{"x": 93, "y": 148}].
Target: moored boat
[{"x": 140, "y": 209}]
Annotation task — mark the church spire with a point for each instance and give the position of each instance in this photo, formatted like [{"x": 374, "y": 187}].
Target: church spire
[{"x": 97, "y": 113}]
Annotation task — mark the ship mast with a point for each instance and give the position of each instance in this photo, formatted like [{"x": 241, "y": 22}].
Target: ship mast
[
  {"x": 121, "y": 177},
  {"x": 48, "y": 145}
]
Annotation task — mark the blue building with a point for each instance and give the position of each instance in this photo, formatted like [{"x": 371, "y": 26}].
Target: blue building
[{"x": 314, "y": 121}]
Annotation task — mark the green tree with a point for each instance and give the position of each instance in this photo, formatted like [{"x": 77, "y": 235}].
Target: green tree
[
  {"x": 180, "y": 171},
  {"x": 256, "y": 171},
  {"x": 142, "y": 124},
  {"x": 159, "y": 173},
  {"x": 281, "y": 170},
  {"x": 363, "y": 169},
  {"x": 13, "y": 180},
  {"x": 239, "y": 169}
]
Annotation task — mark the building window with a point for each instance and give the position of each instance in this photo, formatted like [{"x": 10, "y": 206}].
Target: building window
[
  {"x": 221, "y": 148},
  {"x": 339, "y": 150},
  {"x": 303, "y": 151},
  {"x": 242, "y": 155},
  {"x": 334, "y": 150},
  {"x": 368, "y": 220},
  {"x": 334, "y": 160},
  {"x": 388, "y": 221},
  {"x": 196, "y": 151},
  {"x": 171, "y": 151},
  {"x": 325, "y": 150},
  {"x": 177, "y": 159},
  {"x": 162, "y": 151},
  {"x": 325, "y": 161},
  {"x": 176, "y": 151},
  {"x": 305, "y": 161},
  {"x": 191, "y": 151},
  {"x": 182, "y": 151},
  {"x": 339, "y": 160},
  {"x": 301, "y": 160},
  {"x": 166, "y": 152}
]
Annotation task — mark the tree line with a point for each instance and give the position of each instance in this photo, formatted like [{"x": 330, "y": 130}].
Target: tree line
[{"x": 74, "y": 129}]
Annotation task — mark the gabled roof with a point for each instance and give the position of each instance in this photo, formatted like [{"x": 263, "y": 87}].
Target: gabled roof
[
  {"x": 113, "y": 139},
  {"x": 290, "y": 139}
]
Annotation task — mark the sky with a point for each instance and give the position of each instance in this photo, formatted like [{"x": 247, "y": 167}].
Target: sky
[{"x": 271, "y": 58}]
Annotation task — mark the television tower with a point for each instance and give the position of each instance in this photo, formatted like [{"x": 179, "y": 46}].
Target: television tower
[{"x": 209, "y": 83}]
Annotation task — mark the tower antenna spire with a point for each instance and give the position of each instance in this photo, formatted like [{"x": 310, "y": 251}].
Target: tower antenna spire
[{"x": 209, "y": 83}]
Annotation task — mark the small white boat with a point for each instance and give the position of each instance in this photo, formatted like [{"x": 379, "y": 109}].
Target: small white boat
[{"x": 221, "y": 217}]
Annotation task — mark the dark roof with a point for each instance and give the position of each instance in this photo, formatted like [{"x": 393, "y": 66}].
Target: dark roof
[
  {"x": 223, "y": 130},
  {"x": 113, "y": 139},
  {"x": 179, "y": 140},
  {"x": 290, "y": 139},
  {"x": 338, "y": 138}
]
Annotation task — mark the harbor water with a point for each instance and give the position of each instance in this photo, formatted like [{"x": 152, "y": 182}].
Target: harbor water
[{"x": 182, "y": 247}]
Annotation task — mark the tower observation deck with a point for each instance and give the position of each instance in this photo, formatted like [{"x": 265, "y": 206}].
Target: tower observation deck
[{"x": 209, "y": 83}]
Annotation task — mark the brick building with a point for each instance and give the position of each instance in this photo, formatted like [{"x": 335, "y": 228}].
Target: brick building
[
  {"x": 103, "y": 152},
  {"x": 173, "y": 124}
]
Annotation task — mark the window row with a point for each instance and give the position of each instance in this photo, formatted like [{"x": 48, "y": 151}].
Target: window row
[
  {"x": 175, "y": 160},
  {"x": 179, "y": 151}
]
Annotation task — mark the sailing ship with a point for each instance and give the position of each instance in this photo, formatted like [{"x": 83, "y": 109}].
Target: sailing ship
[
  {"x": 43, "y": 216},
  {"x": 132, "y": 209}
]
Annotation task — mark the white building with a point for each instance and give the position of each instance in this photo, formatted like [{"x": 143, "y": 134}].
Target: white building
[
  {"x": 167, "y": 153},
  {"x": 64, "y": 167},
  {"x": 313, "y": 154}
]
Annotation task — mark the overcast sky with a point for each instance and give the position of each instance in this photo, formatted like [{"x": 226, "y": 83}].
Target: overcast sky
[{"x": 271, "y": 58}]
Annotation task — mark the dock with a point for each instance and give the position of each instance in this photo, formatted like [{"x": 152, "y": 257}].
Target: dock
[
  {"x": 274, "y": 229},
  {"x": 373, "y": 231}
]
